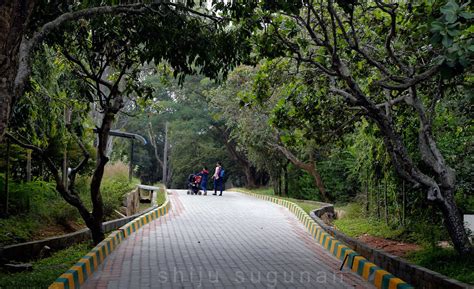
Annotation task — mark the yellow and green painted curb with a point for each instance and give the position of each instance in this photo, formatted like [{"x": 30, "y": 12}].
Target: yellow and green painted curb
[
  {"x": 354, "y": 261},
  {"x": 88, "y": 264}
]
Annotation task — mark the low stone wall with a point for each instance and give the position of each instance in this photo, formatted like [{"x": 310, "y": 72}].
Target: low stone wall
[
  {"x": 418, "y": 276},
  {"x": 31, "y": 250},
  {"x": 131, "y": 202}
]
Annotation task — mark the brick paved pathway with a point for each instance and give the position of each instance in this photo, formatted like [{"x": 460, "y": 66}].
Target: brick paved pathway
[{"x": 233, "y": 241}]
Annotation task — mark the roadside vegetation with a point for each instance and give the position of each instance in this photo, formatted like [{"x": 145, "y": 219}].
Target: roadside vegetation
[
  {"x": 445, "y": 261},
  {"x": 46, "y": 270},
  {"x": 353, "y": 222},
  {"x": 161, "y": 194},
  {"x": 429, "y": 252},
  {"x": 365, "y": 104},
  {"x": 38, "y": 211}
]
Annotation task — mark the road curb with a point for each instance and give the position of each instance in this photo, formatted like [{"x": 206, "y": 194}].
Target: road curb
[
  {"x": 350, "y": 258},
  {"x": 89, "y": 263}
]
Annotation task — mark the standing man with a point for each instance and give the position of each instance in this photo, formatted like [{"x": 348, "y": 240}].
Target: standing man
[
  {"x": 218, "y": 181},
  {"x": 204, "y": 174}
]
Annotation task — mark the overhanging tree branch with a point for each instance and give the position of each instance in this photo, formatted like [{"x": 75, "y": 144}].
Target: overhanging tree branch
[
  {"x": 391, "y": 10},
  {"x": 29, "y": 44},
  {"x": 412, "y": 81}
]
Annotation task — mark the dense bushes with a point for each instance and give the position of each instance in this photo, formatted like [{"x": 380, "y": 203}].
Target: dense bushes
[
  {"x": 113, "y": 187},
  {"x": 36, "y": 205},
  {"x": 33, "y": 205}
]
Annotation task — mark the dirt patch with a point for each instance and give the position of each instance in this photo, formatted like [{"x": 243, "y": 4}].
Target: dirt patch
[
  {"x": 57, "y": 230},
  {"x": 390, "y": 246}
]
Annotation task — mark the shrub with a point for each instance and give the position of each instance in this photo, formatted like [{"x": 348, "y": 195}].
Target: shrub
[
  {"x": 114, "y": 186},
  {"x": 62, "y": 213},
  {"x": 30, "y": 197},
  {"x": 36, "y": 204},
  {"x": 45, "y": 271},
  {"x": 17, "y": 229},
  {"x": 445, "y": 261},
  {"x": 354, "y": 224},
  {"x": 116, "y": 170}
]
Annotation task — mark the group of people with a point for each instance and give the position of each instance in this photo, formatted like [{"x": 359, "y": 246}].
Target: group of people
[{"x": 202, "y": 178}]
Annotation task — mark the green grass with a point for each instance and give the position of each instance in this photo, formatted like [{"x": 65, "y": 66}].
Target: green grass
[
  {"x": 306, "y": 205},
  {"x": 445, "y": 261},
  {"x": 441, "y": 260},
  {"x": 36, "y": 205},
  {"x": 45, "y": 271},
  {"x": 17, "y": 229},
  {"x": 161, "y": 194},
  {"x": 355, "y": 224},
  {"x": 355, "y": 227}
]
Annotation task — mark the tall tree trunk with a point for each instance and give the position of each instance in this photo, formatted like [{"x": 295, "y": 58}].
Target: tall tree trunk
[
  {"x": 404, "y": 201},
  {"x": 240, "y": 158},
  {"x": 285, "y": 175},
  {"x": 385, "y": 201},
  {"x": 454, "y": 223},
  {"x": 276, "y": 184},
  {"x": 310, "y": 167},
  {"x": 14, "y": 15},
  {"x": 377, "y": 192},
  {"x": 250, "y": 177},
  {"x": 318, "y": 182},
  {"x": 367, "y": 195},
  {"x": 165, "y": 156},
  {"x": 6, "y": 189},
  {"x": 95, "y": 224},
  {"x": 28, "y": 165},
  {"x": 130, "y": 162},
  {"x": 154, "y": 144}
]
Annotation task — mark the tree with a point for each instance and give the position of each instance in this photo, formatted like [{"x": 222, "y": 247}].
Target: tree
[
  {"x": 106, "y": 53},
  {"x": 305, "y": 117},
  {"x": 194, "y": 138},
  {"x": 53, "y": 91},
  {"x": 194, "y": 134},
  {"x": 26, "y": 23},
  {"x": 376, "y": 56},
  {"x": 247, "y": 128},
  {"x": 295, "y": 121}
]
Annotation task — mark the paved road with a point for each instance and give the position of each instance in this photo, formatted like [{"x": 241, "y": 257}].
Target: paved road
[{"x": 233, "y": 241}]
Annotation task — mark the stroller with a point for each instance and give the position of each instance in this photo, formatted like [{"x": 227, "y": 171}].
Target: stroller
[{"x": 194, "y": 182}]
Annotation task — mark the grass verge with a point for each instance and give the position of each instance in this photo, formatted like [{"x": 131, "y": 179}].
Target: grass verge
[
  {"x": 46, "y": 270},
  {"x": 161, "y": 194},
  {"x": 354, "y": 224},
  {"x": 442, "y": 260},
  {"x": 447, "y": 262}
]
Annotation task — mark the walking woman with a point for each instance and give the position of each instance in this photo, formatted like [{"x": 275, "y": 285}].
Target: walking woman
[{"x": 218, "y": 182}]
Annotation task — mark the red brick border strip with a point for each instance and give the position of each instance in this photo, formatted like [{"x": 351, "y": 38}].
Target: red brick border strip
[{"x": 87, "y": 265}]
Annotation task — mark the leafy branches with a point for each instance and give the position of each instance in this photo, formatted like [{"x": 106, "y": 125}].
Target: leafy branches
[{"x": 354, "y": 51}]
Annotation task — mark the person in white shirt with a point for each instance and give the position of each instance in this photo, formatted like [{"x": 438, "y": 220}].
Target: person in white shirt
[{"x": 218, "y": 184}]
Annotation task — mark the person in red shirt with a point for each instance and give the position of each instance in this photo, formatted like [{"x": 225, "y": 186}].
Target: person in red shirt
[{"x": 204, "y": 175}]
